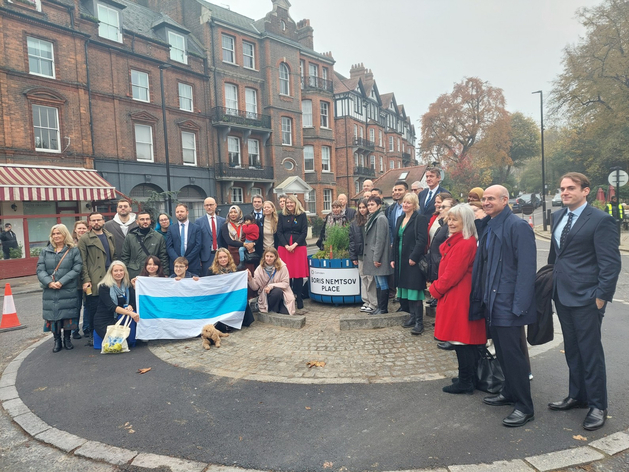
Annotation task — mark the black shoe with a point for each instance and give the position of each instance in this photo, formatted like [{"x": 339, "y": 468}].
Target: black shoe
[
  {"x": 57, "y": 346},
  {"x": 458, "y": 388},
  {"x": 76, "y": 334},
  {"x": 401, "y": 309},
  {"x": 446, "y": 346},
  {"x": 517, "y": 418},
  {"x": 595, "y": 419},
  {"x": 418, "y": 329},
  {"x": 300, "y": 303},
  {"x": 409, "y": 323},
  {"x": 240, "y": 267},
  {"x": 90, "y": 342},
  {"x": 497, "y": 400},
  {"x": 567, "y": 404},
  {"x": 67, "y": 342}
]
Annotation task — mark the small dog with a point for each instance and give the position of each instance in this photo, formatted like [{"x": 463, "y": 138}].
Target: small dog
[{"x": 209, "y": 335}]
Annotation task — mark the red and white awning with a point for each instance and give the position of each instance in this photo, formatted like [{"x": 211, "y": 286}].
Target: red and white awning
[{"x": 36, "y": 183}]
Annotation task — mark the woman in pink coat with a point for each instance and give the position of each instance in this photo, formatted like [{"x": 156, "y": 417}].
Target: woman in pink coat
[
  {"x": 452, "y": 288},
  {"x": 272, "y": 282}
]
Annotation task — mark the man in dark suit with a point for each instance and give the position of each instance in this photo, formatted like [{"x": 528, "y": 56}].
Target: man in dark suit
[
  {"x": 427, "y": 196},
  {"x": 258, "y": 216},
  {"x": 184, "y": 239},
  {"x": 9, "y": 240},
  {"x": 350, "y": 213},
  {"x": 586, "y": 267},
  {"x": 211, "y": 239},
  {"x": 503, "y": 292}
]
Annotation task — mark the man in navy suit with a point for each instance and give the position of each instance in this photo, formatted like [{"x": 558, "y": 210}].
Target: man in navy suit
[
  {"x": 427, "y": 196},
  {"x": 503, "y": 292},
  {"x": 586, "y": 267},
  {"x": 184, "y": 239},
  {"x": 211, "y": 239}
]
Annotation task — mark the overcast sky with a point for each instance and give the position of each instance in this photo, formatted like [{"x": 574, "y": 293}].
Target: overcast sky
[{"x": 418, "y": 49}]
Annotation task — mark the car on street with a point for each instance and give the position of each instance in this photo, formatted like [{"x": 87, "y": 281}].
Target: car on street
[
  {"x": 515, "y": 205},
  {"x": 557, "y": 200},
  {"x": 530, "y": 199}
]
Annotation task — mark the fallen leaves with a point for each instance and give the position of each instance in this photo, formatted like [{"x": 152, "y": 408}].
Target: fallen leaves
[
  {"x": 328, "y": 465},
  {"x": 143, "y": 371},
  {"x": 312, "y": 364},
  {"x": 578, "y": 437},
  {"x": 128, "y": 426},
  {"x": 308, "y": 408}
]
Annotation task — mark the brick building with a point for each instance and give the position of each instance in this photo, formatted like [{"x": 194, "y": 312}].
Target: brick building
[{"x": 373, "y": 132}]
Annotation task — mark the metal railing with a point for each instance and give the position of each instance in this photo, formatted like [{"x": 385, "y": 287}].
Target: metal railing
[
  {"x": 240, "y": 117},
  {"x": 311, "y": 82},
  {"x": 368, "y": 171},
  {"x": 364, "y": 143},
  {"x": 235, "y": 171}
]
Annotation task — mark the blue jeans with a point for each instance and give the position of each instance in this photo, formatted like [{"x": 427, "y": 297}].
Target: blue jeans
[
  {"x": 382, "y": 282},
  {"x": 242, "y": 250}
]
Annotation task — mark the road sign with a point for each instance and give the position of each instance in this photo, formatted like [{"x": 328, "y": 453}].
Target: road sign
[{"x": 622, "y": 175}]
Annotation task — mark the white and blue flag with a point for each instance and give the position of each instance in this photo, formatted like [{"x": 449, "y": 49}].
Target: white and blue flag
[{"x": 178, "y": 309}]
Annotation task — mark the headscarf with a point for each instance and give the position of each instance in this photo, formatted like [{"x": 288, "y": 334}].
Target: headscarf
[
  {"x": 234, "y": 228},
  {"x": 477, "y": 191}
]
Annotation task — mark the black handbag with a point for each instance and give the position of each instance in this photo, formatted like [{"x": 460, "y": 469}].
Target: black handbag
[
  {"x": 489, "y": 376},
  {"x": 423, "y": 265},
  {"x": 252, "y": 257}
]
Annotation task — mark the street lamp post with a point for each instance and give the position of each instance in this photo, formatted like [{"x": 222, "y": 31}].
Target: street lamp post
[
  {"x": 167, "y": 156},
  {"x": 541, "y": 110}
]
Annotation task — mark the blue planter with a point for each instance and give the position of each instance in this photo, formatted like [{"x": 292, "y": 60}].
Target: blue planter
[{"x": 334, "y": 281}]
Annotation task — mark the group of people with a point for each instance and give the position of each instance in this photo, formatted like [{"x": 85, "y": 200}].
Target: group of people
[
  {"x": 96, "y": 266},
  {"x": 478, "y": 257}
]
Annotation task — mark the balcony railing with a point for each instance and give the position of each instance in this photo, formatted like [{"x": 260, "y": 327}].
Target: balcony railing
[
  {"x": 367, "y": 171},
  {"x": 239, "y": 117},
  {"x": 364, "y": 143},
  {"x": 317, "y": 83},
  {"x": 232, "y": 170}
]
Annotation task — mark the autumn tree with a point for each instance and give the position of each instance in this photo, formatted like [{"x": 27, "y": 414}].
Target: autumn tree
[{"x": 456, "y": 121}]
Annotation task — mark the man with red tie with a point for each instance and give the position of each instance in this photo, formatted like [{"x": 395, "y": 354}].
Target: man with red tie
[{"x": 211, "y": 240}]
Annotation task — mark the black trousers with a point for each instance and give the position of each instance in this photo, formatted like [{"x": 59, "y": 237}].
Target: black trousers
[
  {"x": 275, "y": 300},
  {"x": 513, "y": 360},
  {"x": 581, "y": 327},
  {"x": 91, "y": 306}
]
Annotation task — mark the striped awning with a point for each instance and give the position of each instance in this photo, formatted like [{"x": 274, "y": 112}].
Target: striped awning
[{"x": 37, "y": 183}]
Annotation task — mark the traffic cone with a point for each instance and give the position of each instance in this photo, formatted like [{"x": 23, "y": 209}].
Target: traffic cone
[
  {"x": 531, "y": 221},
  {"x": 9, "y": 314}
]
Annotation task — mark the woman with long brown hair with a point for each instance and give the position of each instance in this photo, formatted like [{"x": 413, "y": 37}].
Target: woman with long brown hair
[{"x": 272, "y": 282}]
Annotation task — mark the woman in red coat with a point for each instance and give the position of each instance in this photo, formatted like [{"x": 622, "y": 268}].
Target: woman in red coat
[{"x": 452, "y": 288}]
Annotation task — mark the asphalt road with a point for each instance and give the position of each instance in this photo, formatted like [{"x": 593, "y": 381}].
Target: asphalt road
[{"x": 285, "y": 426}]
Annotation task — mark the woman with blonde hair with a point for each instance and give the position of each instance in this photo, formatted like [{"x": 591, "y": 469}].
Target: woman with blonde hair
[
  {"x": 292, "y": 228},
  {"x": 269, "y": 225},
  {"x": 272, "y": 282},
  {"x": 58, "y": 270},
  {"x": 115, "y": 295}
]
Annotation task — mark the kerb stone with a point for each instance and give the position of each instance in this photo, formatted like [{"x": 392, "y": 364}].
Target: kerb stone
[
  {"x": 104, "y": 452},
  {"x": 154, "y": 461},
  {"x": 283, "y": 321},
  {"x": 60, "y": 439},
  {"x": 566, "y": 458}
]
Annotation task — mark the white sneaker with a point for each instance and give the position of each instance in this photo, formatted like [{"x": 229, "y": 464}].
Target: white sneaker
[
  {"x": 364, "y": 307},
  {"x": 367, "y": 310}
]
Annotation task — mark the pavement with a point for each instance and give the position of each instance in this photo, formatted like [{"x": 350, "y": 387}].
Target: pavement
[{"x": 255, "y": 404}]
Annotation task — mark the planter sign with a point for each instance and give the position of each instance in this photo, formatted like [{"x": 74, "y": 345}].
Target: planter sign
[{"x": 334, "y": 282}]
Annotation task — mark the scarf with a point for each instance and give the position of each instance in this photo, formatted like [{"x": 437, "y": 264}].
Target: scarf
[
  {"x": 371, "y": 221},
  {"x": 115, "y": 292},
  {"x": 270, "y": 269},
  {"x": 234, "y": 228},
  {"x": 223, "y": 270}
]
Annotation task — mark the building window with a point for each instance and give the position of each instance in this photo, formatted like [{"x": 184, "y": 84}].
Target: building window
[
  {"x": 391, "y": 148},
  {"x": 327, "y": 199},
  {"x": 313, "y": 73},
  {"x": 144, "y": 143},
  {"x": 177, "y": 47},
  {"x": 381, "y": 164},
  {"x": 109, "y": 23},
  {"x": 254, "y": 153},
  {"x": 287, "y": 131},
  {"x": 380, "y": 137},
  {"x": 399, "y": 164},
  {"x": 398, "y": 145},
  {"x": 40, "y": 57},
  {"x": 306, "y": 113},
  {"x": 324, "y": 73},
  {"x": 356, "y": 159},
  {"x": 311, "y": 201},
  {"x": 372, "y": 135},
  {"x": 248, "y": 55},
  {"x": 251, "y": 102},
  {"x": 391, "y": 164},
  {"x": 362, "y": 160},
  {"x": 237, "y": 195},
  {"x": 140, "y": 86},
  {"x": 46, "y": 128},
  {"x": 325, "y": 114},
  {"x": 302, "y": 68},
  {"x": 229, "y": 54},
  {"x": 256, "y": 192},
  {"x": 372, "y": 162},
  {"x": 185, "y": 97},
  {"x": 325, "y": 159},
  {"x": 231, "y": 99},
  {"x": 233, "y": 149},
  {"x": 189, "y": 147},
  {"x": 355, "y": 131},
  {"x": 309, "y": 158},
  {"x": 284, "y": 79},
  {"x": 357, "y": 187}
]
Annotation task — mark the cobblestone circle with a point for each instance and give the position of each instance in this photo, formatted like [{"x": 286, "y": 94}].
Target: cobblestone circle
[{"x": 269, "y": 353}]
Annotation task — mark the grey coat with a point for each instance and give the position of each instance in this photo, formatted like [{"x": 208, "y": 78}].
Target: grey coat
[
  {"x": 63, "y": 303},
  {"x": 377, "y": 247},
  {"x": 134, "y": 256}
]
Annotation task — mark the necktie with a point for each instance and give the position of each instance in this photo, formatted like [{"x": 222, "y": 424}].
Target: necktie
[
  {"x": 428, "y": 197},
  {"x": 214, "y": 244},
  {"x": 258, "y": 216},
  {"x": 566, "y": 230},
  {"x": 182, "y": 234}
]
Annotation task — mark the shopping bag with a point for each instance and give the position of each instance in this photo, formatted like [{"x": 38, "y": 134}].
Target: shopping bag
[
  {"x": 115, "y": 340},
  {"x": 489, "y": 376}
]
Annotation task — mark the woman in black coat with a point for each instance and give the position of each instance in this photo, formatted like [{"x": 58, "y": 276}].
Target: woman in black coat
[
  {"x": 409, "y": 244},
  {"x": 434, "y": 255}
]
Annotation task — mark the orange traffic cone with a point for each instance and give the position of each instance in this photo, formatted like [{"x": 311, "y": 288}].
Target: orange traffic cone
[
  {"x": 9, "y": 314},
  {"x": 531, "y": 221}
]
